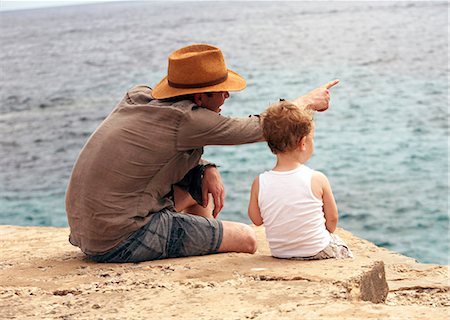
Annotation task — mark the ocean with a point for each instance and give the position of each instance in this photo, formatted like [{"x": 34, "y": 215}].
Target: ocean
[{"x": 383, "y": 143}]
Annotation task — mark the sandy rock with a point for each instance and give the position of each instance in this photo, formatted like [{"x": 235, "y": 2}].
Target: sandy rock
[{"x": 43, "y": 277}]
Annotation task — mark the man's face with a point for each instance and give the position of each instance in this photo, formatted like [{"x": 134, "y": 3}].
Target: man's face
[{"x": 214, "y": 100}]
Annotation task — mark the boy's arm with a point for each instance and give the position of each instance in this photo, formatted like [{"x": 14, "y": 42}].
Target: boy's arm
[
  {"x": 253, "y": 208},
  {"x": 322, "y": 189}
]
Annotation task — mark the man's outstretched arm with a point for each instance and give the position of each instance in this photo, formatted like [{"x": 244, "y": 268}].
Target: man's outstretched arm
[{"x": 317, "y": 99}]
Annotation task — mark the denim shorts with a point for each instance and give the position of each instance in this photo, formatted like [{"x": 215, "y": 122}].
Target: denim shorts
[{"x": 168, "y": 234}]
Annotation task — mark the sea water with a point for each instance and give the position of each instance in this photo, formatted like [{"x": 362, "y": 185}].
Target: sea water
[{"x": 383, "y": 143}]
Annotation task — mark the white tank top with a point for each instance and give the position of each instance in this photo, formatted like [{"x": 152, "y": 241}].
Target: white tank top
[{"x": 292, "y": 215}]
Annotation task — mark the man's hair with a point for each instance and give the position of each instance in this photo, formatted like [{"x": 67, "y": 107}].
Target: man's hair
[
  {"x": 179, "y": 98},
  {"x": 184, "y": 97},
  {"x": 285, "y": 124}
]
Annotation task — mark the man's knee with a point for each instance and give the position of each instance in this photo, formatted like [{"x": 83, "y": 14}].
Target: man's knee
[
  {"x": 238, "y": 237},
  {"x": 250, "y": 239}
]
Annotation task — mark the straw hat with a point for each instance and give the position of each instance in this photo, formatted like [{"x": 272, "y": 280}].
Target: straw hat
[{"x": 195, "y": 69}]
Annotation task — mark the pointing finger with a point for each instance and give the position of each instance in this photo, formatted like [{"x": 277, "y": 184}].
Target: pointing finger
[{"x": 331, "y": 84}]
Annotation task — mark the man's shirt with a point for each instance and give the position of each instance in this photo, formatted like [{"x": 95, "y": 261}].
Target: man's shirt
[{"x": 129, "y": 164}]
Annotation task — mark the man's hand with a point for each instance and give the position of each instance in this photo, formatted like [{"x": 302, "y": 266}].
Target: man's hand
[
  {"x": 212, "y": 183},
  {"x": 317, "y": 99}
]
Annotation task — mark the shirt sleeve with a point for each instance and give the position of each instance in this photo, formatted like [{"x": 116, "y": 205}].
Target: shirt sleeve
[
  {"x": 202, "y": 127},
  {"x": 204, "y": 162}
]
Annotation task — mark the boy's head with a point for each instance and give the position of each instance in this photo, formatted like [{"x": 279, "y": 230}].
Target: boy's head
[{"x": 285, "y": 124}]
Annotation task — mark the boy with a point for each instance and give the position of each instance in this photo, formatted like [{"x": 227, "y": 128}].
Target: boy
[{"x": 295, "y": 203}]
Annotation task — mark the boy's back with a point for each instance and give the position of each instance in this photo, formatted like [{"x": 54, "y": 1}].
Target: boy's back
[{"x": 292, "y": 214}]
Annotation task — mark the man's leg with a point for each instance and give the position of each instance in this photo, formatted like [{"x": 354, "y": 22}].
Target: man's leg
[
  {"x": 186, "y": 204},
  {"x": 237, "y": 237}
]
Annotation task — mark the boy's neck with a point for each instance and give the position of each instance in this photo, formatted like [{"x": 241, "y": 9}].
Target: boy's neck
[{"x": 288, "y": 161}]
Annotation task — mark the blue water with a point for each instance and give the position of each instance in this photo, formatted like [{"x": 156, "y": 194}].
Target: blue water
[{"x": 383, "y": 143}]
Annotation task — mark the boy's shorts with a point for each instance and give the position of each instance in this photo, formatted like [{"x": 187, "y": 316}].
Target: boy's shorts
[
  {"x": 336, "y": 249},
  {"x": 171, "y": 234}
]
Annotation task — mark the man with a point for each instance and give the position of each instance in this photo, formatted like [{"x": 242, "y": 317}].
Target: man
[{"x": 139, "y": 189}]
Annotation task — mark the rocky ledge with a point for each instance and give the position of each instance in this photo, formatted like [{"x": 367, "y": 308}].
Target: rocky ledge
[{"x": 44, "y": 277}]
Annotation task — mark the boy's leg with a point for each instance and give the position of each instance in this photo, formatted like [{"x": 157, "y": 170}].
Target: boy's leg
[
  {"x": 336, "y": 249},
  {"x": 339, "y": 247}
]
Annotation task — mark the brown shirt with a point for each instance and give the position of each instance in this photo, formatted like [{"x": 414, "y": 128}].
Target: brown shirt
[{"x": 129, "y": 164}]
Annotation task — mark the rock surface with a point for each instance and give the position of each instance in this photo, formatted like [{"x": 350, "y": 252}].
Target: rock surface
[{"x": 44, "y": 277}]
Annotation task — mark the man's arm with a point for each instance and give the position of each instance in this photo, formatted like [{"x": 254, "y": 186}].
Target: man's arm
[
  {"x": 202, "y": 127},
  {"x": 253, "y": 208},
  {"x": 212, "y": 183},
  {"x": 317, "y": 99}
]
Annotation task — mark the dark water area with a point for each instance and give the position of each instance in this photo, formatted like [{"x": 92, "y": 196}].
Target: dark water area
[{"x": 383, "y": 143}]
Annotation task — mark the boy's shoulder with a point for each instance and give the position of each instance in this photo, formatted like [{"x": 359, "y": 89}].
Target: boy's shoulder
[
  {"x": 318, "y": 174},
  {"x": 319, "y": 183},
  {"x": 255, "y": 183},
  {"x": 315, "y": 174},
  {"x": 319, "y": 180}
]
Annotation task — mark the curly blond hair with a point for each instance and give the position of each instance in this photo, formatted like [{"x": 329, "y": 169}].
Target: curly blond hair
[{"x": 285, "y": 124}]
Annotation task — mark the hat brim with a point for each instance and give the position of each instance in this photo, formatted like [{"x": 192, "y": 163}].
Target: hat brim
[{"x": 234, "y": 82}]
